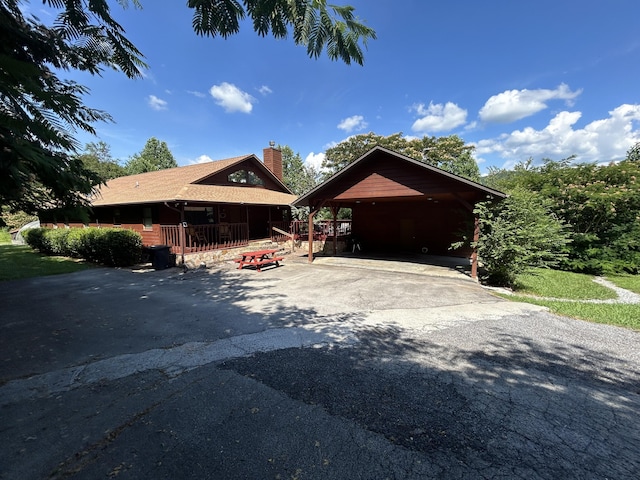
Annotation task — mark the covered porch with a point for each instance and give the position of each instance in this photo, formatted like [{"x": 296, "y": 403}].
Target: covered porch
[{"x": 195, "y": 228}]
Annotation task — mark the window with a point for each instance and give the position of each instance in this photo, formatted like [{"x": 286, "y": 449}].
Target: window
[
  {"x": 147, "y": 219},
  {"x": 116, "y": 217},
  {"x": 246, "y": 177}
]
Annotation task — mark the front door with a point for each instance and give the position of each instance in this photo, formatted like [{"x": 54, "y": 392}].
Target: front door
[{"x": 408, "y": 234}]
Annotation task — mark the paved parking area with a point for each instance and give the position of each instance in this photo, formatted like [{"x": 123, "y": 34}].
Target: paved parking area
[{"x": 307, "y": 371}]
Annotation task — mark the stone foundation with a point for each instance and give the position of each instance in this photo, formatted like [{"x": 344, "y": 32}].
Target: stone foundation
[{"x": 211, "y": 257}]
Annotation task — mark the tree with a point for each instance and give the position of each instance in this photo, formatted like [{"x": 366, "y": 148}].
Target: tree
[
  {"x": 600, "y": 203},
  {"x": 315, "y": 25},
  {"x": 97, "y": 158},
  {"x": 633, "y": 154},
  {"x": 349, "y": 150},
  {"x": 449, "y": 153},
  {"x": 516, "y": 234},
  {"x": 154, "y": 156},
  {"x": 16, "y": 219},
  {"x": 300, "y": 178},
  {"x": 39, "y": 112}
]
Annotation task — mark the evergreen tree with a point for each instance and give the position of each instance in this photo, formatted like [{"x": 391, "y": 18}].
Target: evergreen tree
[
  {"x": 300, "y": 178},
  {"x": 154, "y": 156},
  {"x": 97, "y": 158}
]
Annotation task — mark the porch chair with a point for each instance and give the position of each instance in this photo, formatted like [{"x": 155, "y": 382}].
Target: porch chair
[
  {"x": 224, "y": 233},
  {"x": 196, "y": 235}
]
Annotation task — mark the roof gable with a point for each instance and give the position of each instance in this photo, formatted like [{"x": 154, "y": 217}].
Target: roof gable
[
  {"x": 189, "y": 183},
  {"x": 248, "y": 164},
  {"x": 376, "y": 182},
  {"x": 382, "y": 173}
]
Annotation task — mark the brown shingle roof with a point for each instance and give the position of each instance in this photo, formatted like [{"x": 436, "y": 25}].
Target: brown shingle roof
[{"x": 179, "y": 184}]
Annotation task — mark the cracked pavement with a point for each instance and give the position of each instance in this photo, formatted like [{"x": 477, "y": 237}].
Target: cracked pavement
[{"x": 307, "y": 371}]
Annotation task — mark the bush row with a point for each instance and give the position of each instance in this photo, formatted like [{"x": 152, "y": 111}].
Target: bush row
[{"x": 108, "y": 246}]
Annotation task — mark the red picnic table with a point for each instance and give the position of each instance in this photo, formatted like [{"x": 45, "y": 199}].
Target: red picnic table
[{"x": 258, "y": 258}]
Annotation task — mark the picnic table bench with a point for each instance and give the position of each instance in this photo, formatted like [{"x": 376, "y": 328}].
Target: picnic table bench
[{"x": 258, "y": 259}]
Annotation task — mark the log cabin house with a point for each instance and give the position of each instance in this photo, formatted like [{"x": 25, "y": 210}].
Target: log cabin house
[{"x": 196, "y": 208}]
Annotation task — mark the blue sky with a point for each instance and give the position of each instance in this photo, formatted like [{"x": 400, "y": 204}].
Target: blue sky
[{"x": 515, "y": 79}]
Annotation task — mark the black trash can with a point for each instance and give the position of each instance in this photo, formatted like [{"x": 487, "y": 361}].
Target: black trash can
[{"x": 160, "y": 256}]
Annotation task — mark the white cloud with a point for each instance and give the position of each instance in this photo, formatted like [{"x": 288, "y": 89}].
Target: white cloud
[
  {"x": 157, "y": 103},
  {"x": 513, "y": 105},
  {"x": 202, "y": 159},
  {"x": 264, "y": 90},
  {"x": 599, "y": 141},
  {"x": 196, "y": 93},
  {"x": 231, "y": 98},
  {"x": 438, "y": 117},
  {"x": 355, "y": 122},
  {"x": 315, "y": 160}
]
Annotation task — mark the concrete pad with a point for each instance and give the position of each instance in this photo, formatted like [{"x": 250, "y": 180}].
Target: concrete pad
[{"x": 326, "y": 371}]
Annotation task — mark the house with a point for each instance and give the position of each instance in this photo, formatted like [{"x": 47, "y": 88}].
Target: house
[
  {"x": 195, "y": 208},
  {"x": 401, "y": 205}
]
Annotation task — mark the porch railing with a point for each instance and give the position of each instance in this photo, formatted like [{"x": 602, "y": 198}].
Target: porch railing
[
  {"x": 202, "y": 238},
  {"x": 279, "y": 237},
  {"x": 321, "y": 229}
]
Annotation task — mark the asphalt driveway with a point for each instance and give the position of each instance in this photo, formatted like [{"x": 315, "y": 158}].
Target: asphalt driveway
[{"x": 317, "y": 371}]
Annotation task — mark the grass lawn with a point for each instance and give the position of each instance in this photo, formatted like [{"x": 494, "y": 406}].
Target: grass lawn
[
  {"x": 575, "y": 287},
  {"x": 5, "y": 236},
  {"x": 630, "y": 282},
  {"x": 20, "y": 261},
  {"x": 623, "y": 315},
  {"x": 544, "y": 282}
]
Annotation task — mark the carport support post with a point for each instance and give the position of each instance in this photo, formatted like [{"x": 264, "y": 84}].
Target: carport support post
[
  {"x": 311, "y": 215},
  {"x": 474, "y": 254},
  {"x": 334, "y": 212},
  {"x": 183, "y": 236},
  {"x": 476, "y": 235}
]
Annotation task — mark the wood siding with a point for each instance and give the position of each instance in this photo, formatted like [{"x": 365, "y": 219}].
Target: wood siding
[
  {"x": 409, "y": 227},
  {"x": 383, "y": 178}
]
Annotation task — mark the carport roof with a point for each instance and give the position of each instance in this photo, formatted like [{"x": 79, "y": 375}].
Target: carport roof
[{"x": 326, "y": 190}]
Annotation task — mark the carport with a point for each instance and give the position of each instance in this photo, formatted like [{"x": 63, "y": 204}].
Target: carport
[{"x": 401, "y": 205}]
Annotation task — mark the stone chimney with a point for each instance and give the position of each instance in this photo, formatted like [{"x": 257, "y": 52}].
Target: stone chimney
[{"x": 273, "y": 160}]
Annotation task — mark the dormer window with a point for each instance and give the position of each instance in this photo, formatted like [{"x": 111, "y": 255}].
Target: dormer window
[{"x": 246, "y": 177}]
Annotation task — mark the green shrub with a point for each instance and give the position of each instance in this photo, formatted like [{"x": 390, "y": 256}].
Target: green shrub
[
  {"x": 35, "y": 238},
  {"x": 108, "y": 246},
  {"x": 57, "y": 241},
  {"x": 516, "y": 234},
  {"x": 75, "y": 239},
  {"x": 121, "y": 247},
  {"x": 88, "y": 244},
  {"x": 599, "y": 203}
]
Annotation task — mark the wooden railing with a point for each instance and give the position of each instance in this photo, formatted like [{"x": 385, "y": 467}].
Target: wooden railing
[
  {"x": 277, "y": 236},
  {"x": 202, "y": 238},
  {"x": 321, "y": 229}
]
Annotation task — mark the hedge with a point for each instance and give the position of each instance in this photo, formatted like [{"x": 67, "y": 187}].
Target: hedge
[{"x": 114, "y": 247}]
